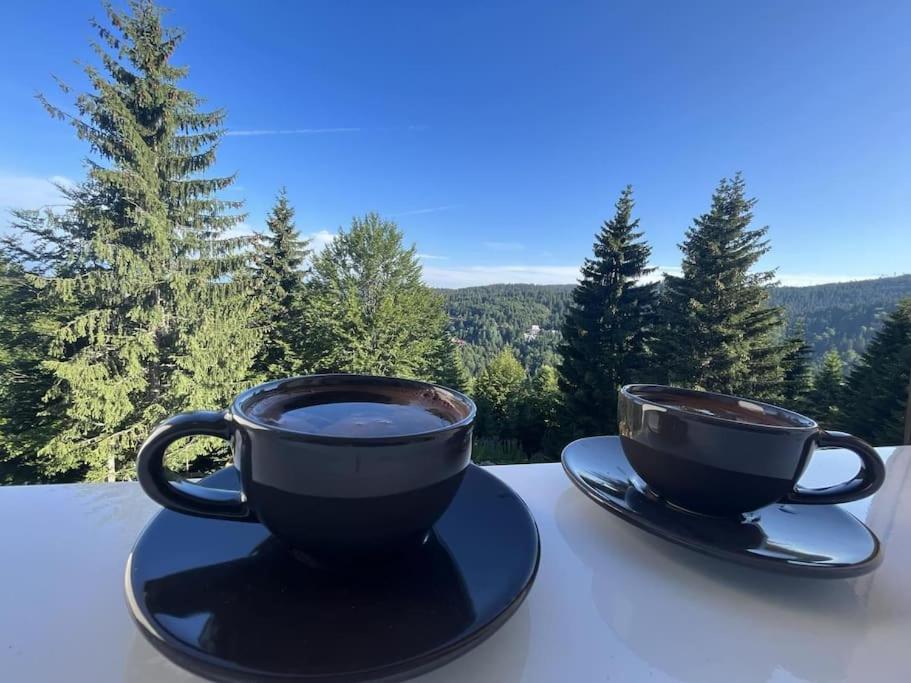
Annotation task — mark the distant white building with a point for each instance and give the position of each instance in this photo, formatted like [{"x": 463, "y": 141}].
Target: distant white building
[{"x": 532, "y": 333}]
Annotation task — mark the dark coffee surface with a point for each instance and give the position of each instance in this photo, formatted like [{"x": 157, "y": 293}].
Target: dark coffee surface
[
  {"x": 736, "y": 410},
  {"x": 356, "y": 413}
]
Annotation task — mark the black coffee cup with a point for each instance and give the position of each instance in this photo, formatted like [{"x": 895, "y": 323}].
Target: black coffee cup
[
  {"x": 327, "y": 494},
  {"x": 723, "y": 455}
]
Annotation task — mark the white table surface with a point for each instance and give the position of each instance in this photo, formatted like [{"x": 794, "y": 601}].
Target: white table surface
[{"x": 611, "y": 603}]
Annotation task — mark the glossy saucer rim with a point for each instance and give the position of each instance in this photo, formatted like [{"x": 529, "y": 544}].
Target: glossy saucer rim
[
  {"x": 765, "y": 563},
  {"x": 215, "y": 668}
]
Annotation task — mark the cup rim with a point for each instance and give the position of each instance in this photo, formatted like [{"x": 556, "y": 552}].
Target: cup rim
[
  {"x": 801, "y": 422},
  {"x": 241, "y": 416}
]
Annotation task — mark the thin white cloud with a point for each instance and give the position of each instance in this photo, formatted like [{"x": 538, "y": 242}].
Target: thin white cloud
[
  {"x": 807, "y": 279},
  {"x": 432, "y": 257},
  {"x": 319, "y": 239},
  {"x": 433, "y": 209},
  {"x": 504, "y": 246},
  {"x": 470, "y": 276},
  {"x": 31, "y": 192},
  {"x": 289, "y": 131},
  {"x": 784, "y": 279},
  {"x": 395, "y": 129},
  {"x": 473, "y": 276}
]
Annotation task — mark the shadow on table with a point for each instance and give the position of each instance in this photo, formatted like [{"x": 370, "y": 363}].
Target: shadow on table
[{"x": 699, "y": 618}]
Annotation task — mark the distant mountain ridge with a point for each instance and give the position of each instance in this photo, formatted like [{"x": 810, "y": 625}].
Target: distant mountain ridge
[{"x": 842, "y": 315}]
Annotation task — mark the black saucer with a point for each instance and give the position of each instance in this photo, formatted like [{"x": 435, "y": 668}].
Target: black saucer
[
  {"x": 810, "y": 540},
  {"x": 226, "y": 600}
]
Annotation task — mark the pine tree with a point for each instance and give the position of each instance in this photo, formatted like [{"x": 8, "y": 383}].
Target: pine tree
[
  {"x": 828, "y": 387},
  {"x": 798, "y": 371},
  {"x": 160, "y": 319},
  {"x": 498, "y": 393},
  {"x": 718, "y": 331},
  {"x": 278, "y": 261},
  {"x": 366, "y": 309},
  {"x": 30, "y": 313},
  {"x": 446, "y": 366},
  {"x": 25, "y": 423},
  {"x": 875, "y": 400},
  {"x": 609, "y": 327}
]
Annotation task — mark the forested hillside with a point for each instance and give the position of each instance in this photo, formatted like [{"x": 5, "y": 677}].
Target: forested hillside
[
  {"x": 844, "y": 315},
  {"x": 492, "y": 317},
  {"x": 841, "y": 316}
]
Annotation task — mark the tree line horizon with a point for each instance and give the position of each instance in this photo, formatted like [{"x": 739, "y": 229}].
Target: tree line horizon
[
  {"x": 836, "y": 316},
  {"x": 134, "y": 303}
]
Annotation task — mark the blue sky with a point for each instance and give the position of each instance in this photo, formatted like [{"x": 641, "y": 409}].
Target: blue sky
[{"x": 499, "y": 134}]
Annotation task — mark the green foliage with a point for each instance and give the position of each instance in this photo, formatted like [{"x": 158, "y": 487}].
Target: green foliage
[
  {"x": 278, "y": 262},
  {"x": 609, "y": 327},
  {"x": 366, "y": 309},
  {"x": 157, "y": 317},
  {"x": 798, "y": 372},
  {"x": 489, "y": 451},
  {"x": 719, "y": 332},
  {"x": 828, "y": 389},
  {"x": 498, "y": 394},
  {"x": 446, "y": 367},
  {"x": 876, "y": 397},
  {"x": 515, "y": 412},
  {"x": 489, "y": 318},
  {"x": 26, "y": 423},
  {"x": 540, "y": 415},
  {"x": 844, "y": 315}
]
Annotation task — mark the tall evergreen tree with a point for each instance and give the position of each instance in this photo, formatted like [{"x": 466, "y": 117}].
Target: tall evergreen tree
[
  {"x": 718, "y": 331},
  {"x": 798, "y": 371},
  {"x": 828, "y": 387},
  {"x": 366, "y": 309},
  {"x": 446, "y": 366},
  {"x": 498, "y": 393},
  {"x": 279, "y": 280},
  {"x": 876, "y": 398},
  {"x": 609, "y": 327},
  {"x": 160, "y": 319}
]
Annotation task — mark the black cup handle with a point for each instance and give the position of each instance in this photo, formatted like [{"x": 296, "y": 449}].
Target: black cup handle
[
  {"x": 173, "y": 491},
  {"x": 865, "y": 483}
]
